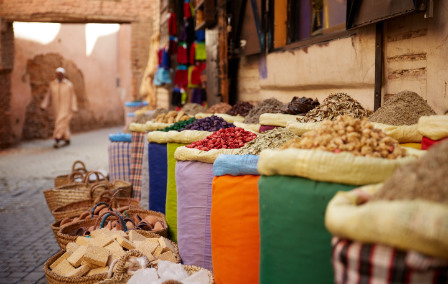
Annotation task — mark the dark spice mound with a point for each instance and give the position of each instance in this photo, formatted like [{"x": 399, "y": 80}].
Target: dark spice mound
[
  {"x": 299, "y": 106},
  {"x": 240, "y": 108},
  {"x": 270, "y": 105}
]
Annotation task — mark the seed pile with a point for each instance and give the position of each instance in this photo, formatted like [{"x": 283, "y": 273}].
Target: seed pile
[
  {"x": 267, "y": 140},
  {"x": 229, "y": 138},
  {"x": 425, "y": 178},
  {"x": 270, "y": 105},
  {"x": 171, "y": 117},
  {"x": 299, "y": 106},
  {"x": 240, "y": 108},
  {"x": 192, "y": 109},
  {"x": 348, "y": 134},
  {"x": 333, "y": 106},
  {"x": 157, "y": 112},
  {"x": 219, "y": 108},
  {"x": 404, "y": 108},
  {"x": 212, "y": 124},
  {"x": 178, "y": 125}
]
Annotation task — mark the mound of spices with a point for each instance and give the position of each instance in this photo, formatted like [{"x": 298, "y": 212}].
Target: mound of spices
[
  {"x": 270, "y": 105},
  {"x": 267, "y": 140},
  {"x": 404, "y": 108},
  {"x": 157, "y": 112},
  {"x": 333, "y": 106},
  {"x": 299, "y": 106},
  {"x": 348, "y": 134},
  {"x": 212, "y": 123},
  {"x": 178, "y": 125},
  {"x": 192, "y": 109},
  {"x": 229, "y": 138},
  {"x": 219, "y": 108},
  {"x": 240, "y": 108},
  {"x": 425, "y": 178}
]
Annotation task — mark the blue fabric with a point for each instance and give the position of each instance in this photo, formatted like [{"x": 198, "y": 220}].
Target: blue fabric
[
  {"x": 158, "y": 166},
  {"x": 165, "y": 59},
  {"x": 158, "y": 77},
  {"x": 120, "y": 137},
  {"x": 165, "y": 76},
  {"x": 136, "y": 104},
  {"x": 130, "y": 114},
  {"x": 182, "y": 67},
  {"x": 236, "y": 165}
]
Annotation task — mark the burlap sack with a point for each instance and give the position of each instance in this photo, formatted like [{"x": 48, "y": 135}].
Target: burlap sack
[
  {"x": 402, "y": 133},
  {"x": 191, "y": 154},
  {"x": 152, "y": 126},
  {"x": 137, "y": 127},
  {"x": 185, "y": 137},
  {"x": 277, "y": 119},
  {"x": 342, "y": 167},
  {"x": 407, "y": 225},
  {"x": 249, "y": 127},
  {"x": 226, "y": 117},
  {"x": 434, "y": 127},
  {"x": 298, "y": 128}
]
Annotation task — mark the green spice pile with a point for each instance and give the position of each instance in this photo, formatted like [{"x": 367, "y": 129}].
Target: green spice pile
[
  {"x": 271, "y": 139},
  {"x": 404, "y": 108},
  {"x": 179, "y": 125},
  {"x": 333, "y": 106},
  {"x": 270, "y": 105},
  {"x": 425, "y": 178}
]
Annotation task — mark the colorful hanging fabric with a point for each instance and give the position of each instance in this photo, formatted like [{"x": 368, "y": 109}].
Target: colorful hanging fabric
[
  {"x": 196, "y": 96},
  {"x": 176, "y": 97},
  {"x": 165, "y": 59},
  {"x": 157, "y": 82},
  {"x": 200, "y": 35},
  {"x": 190, "y": 72},
  {"x": 184, "y": 96},
  {"x": 187, "y": 9},
  {"x": 182, "y": 53},
  {"x": 172, "y": 46},
  {"x": 200, "y": 52},
  {"x": 172, "y": 24},
  {"x": 181, "y": 76},
  {"x": 196, "y": 74},
  {"x": 191, "y": 54}
]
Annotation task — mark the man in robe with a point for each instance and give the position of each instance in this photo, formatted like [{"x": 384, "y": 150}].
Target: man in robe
[{"x": 61, "y": 96}]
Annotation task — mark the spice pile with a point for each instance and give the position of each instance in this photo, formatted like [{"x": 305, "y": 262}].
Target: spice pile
[
  {"x": 299, "y": 106},
  {"x": 404, "y": 108},
  {"x": 240, "y": 108},
  {"x": 229, "y": 138},
  {"x": 348, "y": 134},
  {"x": 178, "y": 125},
  {"x": 333, "y": 106},
  {"x": 157, "y": 112},
  {"x": 212, "y": 124},
  {"x": 192, "y": 109},
  {"x": 219, "y": 108},
  {"x": 267, "y": 140},
  {"x": 172, "y": 117},
  {"x": 425, "y": 178},
  {"x": 270, "y": 105}
]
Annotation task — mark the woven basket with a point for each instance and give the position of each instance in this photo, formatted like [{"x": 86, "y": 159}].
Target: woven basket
[
  {"x": 65, "y": 179},
  {"x": 143, "y": 213},
  {"x": 53, "y": 278}
]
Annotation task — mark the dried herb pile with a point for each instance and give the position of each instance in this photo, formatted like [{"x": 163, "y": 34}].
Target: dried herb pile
[
  {"x": 270, "y": 105},
  {"x": 267, "y": 140}
]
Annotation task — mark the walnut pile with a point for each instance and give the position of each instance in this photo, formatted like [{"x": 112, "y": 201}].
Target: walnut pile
[
  {"x": 172, "y": 117},
  {"x": 348, "y": 134}
]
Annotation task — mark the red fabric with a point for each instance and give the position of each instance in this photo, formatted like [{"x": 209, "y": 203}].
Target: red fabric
[
  {"x": 264, "y": 128},
  {"x": 187, "y": 11},
  {"x": 172, "y": 24},
  {"x": 172, "y": 47},
  {"x": 196, "y": 74},
  {"x": 192, "y": 53},
  {"x": 182, "y": 54},
  {"x": 160, "y": 55},
  {"x": 428, "y": 142},
  {"x": 181, "y": 78}
]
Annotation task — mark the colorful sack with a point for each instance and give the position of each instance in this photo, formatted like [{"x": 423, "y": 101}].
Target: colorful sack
[
  {"x": 235, "y": 165},
  {"x": 295, "y": 246},
  {"x": 434, "y": 127},
  {"x": 157, "y": 160},
  {"x": 428, "y": 143},
  {"x": 264, "y": 128},
  {"x": 191, "y": 154},
  {"x": 119, "y": 161},
  {"x": 194, "y": 200},
  {"x": 137, "y": 149},
  {"x": 235, "y": 229}
]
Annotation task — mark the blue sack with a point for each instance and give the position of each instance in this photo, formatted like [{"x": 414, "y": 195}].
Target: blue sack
[
  {"x": 236, "y": 165},
  {"x": 120, "y": 137},
  {"x": 158, "y": 166}
]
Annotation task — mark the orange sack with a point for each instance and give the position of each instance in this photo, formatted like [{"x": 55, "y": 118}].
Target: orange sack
[{"x": 235, "y": 229}]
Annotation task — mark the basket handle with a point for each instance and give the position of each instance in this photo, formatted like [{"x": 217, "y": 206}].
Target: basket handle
[
  {"x": 98, "y": 204},
  {"x": 97, "y": 174},
  {"x": 105, "y": 194},
  {"x": 81, "y": 168},
  {"x": 112, "y": 200},
  {"x": 95, "y": 186},
  {"x": 106, "y": 215}
]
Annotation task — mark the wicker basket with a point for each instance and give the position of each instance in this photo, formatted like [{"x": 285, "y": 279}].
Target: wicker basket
[
  {"x": 65, "y": 179},
  {"x": 143, "y": 213},
  {"x": 53, "y": 278}
]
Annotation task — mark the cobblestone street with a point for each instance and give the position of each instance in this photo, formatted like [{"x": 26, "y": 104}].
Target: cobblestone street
[{"x": 25, "y": 171}]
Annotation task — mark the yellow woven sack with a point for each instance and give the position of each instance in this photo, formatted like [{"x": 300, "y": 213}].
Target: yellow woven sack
[
  {"x": 249, "y": 127},
  {"x": 152, "y": 126},
  {"x": 330, "y": 167},
  {"x": 402, "y": 133},
  {"x": 191, "y": 154},
  {"x": 298, "y": 128},
  {"x": 277, "y": 119},
  {"x": 226, "y": 117},
  {"x": 158, "y": 137},
  {"x": 407, "y": 225},
  {"x": 185, "y": 137},
  {"x": 137, "y": 127},
  {"x": 434, "y": 127}
]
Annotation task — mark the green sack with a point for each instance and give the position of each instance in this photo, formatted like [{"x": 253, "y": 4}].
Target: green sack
[
  {"x": 171, "y": 193},
  {"x": 295, "y": 246}
]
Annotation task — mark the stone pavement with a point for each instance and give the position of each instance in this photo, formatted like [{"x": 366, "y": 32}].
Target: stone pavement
[{"x": 25, "y": 171}]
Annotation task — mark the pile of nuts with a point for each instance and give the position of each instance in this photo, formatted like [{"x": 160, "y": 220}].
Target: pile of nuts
[
  {"x": 228, "y": 138},
  {"x": 240, "y": 108},
  {"x": 172, "y": 117},
  {"x": 212, "y": 124},
  {"x": 348, "y": 134},
  {"x": 219, "y": 108},
  {"x": 178, "y": 125},
  {"x": 94, "y": 255}
]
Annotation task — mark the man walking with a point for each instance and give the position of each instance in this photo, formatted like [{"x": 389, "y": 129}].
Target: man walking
[{"x": 62, "y": 97}]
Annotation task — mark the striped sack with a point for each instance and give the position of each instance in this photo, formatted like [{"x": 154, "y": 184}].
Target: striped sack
[
  {"x": 119, "y": 161},
  {"x": 137, "y": 150}
]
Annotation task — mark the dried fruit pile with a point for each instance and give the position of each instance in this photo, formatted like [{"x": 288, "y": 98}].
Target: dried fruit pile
[
  {"x": 172, "y": 117},
  {"x": 267, "y": 140},
  {"x": 179, "y": 125},
  {"x": 299, "y": 106},
  {"x": 157, "y": 112},
  {"x": 229, "y": 138},
  {"x": 348, "y": 134},
  {"x": 192, "y": 109},
  {"x": 270, "y": 105},
  {"x": 219, "y": 108},
  {"x": 212, "y": 124},
  {"x": 333, "y": 106},
  {"x": 240, "y": 108},
  {"x": 425, "y": 178},
  {"x": 404, "y": 108}
]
